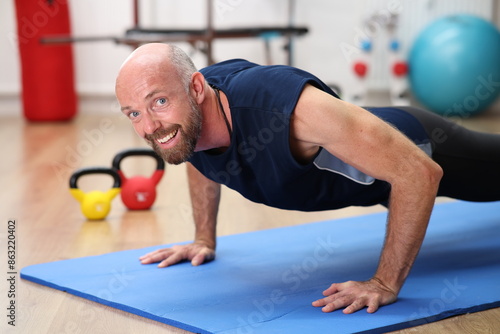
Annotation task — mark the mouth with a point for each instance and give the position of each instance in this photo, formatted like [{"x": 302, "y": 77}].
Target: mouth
[{"x": 167, "y": 138}]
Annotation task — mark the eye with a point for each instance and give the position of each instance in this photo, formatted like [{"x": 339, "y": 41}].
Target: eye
[
  {"x": 133, "y": 114},
  {"x": 161, "y": 101}
]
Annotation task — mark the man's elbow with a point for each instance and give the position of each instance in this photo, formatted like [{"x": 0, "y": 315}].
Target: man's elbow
[{"x": 433, "y": 173}]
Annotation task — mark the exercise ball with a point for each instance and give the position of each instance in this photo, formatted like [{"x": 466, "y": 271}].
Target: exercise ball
[{"x": 455, "y": 65}]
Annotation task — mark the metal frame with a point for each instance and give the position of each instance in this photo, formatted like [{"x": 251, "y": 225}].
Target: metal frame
[{"x": 205, "y": 37}]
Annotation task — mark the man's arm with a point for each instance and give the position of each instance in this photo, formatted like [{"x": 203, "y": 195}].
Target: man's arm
[
  {"x": 375, "y": 148},
  {"x": 205, "y": 198}
]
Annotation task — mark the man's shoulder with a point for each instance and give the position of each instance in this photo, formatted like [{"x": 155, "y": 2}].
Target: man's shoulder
[
  {"x": 228, "y": 66},
  {"x": 260, "y": 86},
  {"x": 239, "y": 72}
]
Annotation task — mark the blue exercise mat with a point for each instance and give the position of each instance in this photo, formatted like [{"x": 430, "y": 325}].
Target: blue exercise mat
[{"x": 265, "y": 281}]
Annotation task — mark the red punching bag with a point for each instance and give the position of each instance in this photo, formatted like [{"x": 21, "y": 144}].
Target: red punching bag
[{"x": 48, "y": 87}]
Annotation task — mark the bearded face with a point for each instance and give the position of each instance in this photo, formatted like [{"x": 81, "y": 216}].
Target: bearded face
[{"x": 189, "y": 134}]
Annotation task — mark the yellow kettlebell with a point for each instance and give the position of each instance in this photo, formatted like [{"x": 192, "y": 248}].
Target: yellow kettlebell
[{"x": 95, "y": 205}]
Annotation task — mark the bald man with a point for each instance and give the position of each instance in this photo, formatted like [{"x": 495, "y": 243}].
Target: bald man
[{"x": 280, "y": 136}]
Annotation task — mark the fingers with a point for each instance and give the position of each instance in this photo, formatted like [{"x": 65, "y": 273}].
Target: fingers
[
  {"x": 350, "y": 304},
  {"x": 334, "y": 288},
  {"x": 205, "y": 255},
  {"x": 372, "y": 308},
  {"x": 358, "y": 305},
  {"x": 156, "y": 256},
  {"x": 173, "y": 258},
  {"x": 354, "y": 296},
  {"x": 168, "y": 256}
]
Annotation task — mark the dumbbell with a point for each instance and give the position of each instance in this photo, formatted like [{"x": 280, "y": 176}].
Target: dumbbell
[
  {"x": 139, "y": 192},
  {"x": 95, "y": 205}
]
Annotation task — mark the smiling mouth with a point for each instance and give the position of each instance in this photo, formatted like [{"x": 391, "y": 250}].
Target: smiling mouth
[{"x": 168, "y": 137}]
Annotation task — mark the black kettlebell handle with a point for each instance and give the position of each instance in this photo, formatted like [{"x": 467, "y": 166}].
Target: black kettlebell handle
[
  {"x": 94, "y": 170},
  {"x": 160, "y": 164}
]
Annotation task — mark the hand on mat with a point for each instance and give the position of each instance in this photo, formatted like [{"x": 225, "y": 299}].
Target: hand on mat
[
  {"x": 356, "y": 295},
  {"x": 197, "y": 253}
]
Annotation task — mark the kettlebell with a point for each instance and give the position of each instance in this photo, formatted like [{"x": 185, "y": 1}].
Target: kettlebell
[
  {"x": 95, "y": 205},
  {"x": 139, "y": 192}
]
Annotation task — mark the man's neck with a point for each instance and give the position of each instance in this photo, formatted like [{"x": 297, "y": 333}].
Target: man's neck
[{"x": 214, "y": 131}]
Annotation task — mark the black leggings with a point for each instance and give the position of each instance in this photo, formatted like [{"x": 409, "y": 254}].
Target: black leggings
[{"x": 470, "y": 160}]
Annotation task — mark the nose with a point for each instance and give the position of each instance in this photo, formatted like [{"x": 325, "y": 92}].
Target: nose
[{"x": 150, "y": 124}]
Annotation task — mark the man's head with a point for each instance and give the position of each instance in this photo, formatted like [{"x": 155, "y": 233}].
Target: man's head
[{"x": 155, "y": 90}]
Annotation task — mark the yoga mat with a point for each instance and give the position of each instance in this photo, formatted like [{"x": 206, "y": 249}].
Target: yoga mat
[{"x": 265, "y": 281}]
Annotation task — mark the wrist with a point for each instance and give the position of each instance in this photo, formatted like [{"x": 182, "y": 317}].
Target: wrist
[
  {"x": 205, "y": 234},
  {"x": 207, "y": 242},
  {"x": 388, "y": 286}
]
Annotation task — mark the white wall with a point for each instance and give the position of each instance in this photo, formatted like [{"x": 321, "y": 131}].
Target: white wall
[{"x": 333, "y": 24}]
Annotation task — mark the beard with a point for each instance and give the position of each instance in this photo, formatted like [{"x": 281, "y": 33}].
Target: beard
[{"x": 189, "y": 133}]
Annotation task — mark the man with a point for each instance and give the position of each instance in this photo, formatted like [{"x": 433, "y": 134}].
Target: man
[{"x": 281, "y": 137}]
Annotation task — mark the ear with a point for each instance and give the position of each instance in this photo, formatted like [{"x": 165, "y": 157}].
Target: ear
[{"x": 198, "y": 87}]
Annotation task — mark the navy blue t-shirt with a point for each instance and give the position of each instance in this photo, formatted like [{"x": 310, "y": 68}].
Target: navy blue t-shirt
[{"x": 259, "y": 163}]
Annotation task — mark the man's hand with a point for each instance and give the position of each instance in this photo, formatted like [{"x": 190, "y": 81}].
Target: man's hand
[
  {"x": 356, "y": 295},
  {"x": 197, "y": 253},
  {"x": 205, "y": 197}
]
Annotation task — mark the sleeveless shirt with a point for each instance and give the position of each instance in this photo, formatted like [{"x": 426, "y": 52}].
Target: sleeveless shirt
[{"x": 259, "y": 164}]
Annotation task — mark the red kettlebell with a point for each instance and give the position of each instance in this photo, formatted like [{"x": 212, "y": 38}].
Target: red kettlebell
[{"x": 139, "y": 192}]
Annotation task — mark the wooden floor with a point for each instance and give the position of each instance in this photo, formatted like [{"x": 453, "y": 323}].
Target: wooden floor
[{"x": 37, "y": 160}]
